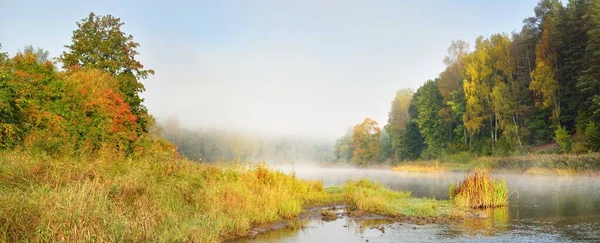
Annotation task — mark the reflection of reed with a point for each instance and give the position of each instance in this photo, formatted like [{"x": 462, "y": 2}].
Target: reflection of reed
[
  {"x": 491, "y": 221},
  {"x": 360, "y": 225}
]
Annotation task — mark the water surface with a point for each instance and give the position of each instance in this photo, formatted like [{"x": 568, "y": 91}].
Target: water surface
[{"x": 545, "y": 209}]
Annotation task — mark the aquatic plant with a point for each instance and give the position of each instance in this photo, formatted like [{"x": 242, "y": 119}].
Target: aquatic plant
[{"x": 478, "y": 190}]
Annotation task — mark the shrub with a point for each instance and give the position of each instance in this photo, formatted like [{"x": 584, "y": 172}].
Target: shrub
[
  {"x": 563, "y": 138},
  {"x": 591, "y": 136}
]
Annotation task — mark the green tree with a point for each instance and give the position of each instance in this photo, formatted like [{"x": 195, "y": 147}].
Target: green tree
[
  {"x": 397, "y": 119},
  {"x": 589, "y": 81},
  {"x": 574, "y": 40},
  {"x": 98, "y": 42},
  {"x": 563, "y": 138},
  {"x": 429, "y": 103},
  {"x": 591, "y": 136}
]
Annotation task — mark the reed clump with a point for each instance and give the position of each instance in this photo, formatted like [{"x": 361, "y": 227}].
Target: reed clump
[{"x": 479, "y": 190}]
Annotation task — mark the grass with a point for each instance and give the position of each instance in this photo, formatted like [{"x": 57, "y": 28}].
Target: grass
[
  {"x": 168, "y": 200},
  {"x": 545, "y": 164},
  {"x": 45, "y": 199},
  {"x": 370, "y": 197},
  {"x": 478, "y": 190},
  {"x": 420, "y": 168}
]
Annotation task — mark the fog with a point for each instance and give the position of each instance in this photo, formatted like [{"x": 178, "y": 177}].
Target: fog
[{"x": 302, "y": 68}]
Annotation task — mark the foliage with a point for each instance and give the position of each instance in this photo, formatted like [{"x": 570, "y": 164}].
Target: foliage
[
  {"x": 83, "y": 110},
  {"x": 365, "y": 141},
  {"x": 510, "y": 93},
  {"x": 99, "y": 43},
  {"x": 563, "y": 138},
  {"x": 429, "y": 102},
  {"x": 398, "y": 118},
  {"x": 591, "y": 136}
]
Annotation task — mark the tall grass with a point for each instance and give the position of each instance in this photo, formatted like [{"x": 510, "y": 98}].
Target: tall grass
[
  {"x": 478, "y": 190},
  {"x": 145, "y": 199}
]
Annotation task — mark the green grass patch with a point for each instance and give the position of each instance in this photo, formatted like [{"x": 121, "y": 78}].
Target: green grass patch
[{"x": 371, "y": 197}]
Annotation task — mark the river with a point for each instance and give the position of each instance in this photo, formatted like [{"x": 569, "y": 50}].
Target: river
[{"x": 544, "y": 209}]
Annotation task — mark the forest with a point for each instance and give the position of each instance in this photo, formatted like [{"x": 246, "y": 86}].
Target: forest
[
  {"x": 216, "y": 145},
  {"x": 509, "y": 94}
]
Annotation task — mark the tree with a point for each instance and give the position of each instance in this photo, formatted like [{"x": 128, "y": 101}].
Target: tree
[
  {"x": 563, "y": 138},
  {"x": 41, "y": 54},
  {"x": 574, "y": 40},
  {"x": 450, "y": 85},
  {"x": 398, "y": 118},
  {"x": 365, "y": 141},
  {"x": 99, "y": 43},
  {"x": 343, "y": 147},
  {"x": 429, "y": 103},
  {"x": 543, "y": 82},
  {"x": 477, "y": 87},
  {"x": 589, "y": 81}
]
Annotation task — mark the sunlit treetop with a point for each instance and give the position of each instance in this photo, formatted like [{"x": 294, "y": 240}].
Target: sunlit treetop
[{"x": 98, "y": 42}]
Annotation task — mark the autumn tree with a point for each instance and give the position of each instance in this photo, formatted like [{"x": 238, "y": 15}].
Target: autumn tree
[
  {"x": 477, "y": 87},
  {"x": 543, "y": 81},
  {"x": 365, "y": 141},
  {"x": 99, "y": 43},
  {"x": 450, "y": 85}
]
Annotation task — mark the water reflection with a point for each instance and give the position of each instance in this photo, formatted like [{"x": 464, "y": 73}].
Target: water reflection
[
  {"x": 490, "y": 222},
  {"x": 546, "y": 209}
]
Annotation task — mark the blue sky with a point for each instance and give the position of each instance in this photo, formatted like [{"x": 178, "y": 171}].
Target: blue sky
[{"x": 306, "y": 68}]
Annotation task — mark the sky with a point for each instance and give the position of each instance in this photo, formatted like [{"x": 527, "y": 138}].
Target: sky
[{"x": 306, "y": 68}]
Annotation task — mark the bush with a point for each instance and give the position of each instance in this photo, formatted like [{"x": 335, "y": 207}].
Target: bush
[
  {"x": 563, "y": 138},
  {"x": 591, "y": 136}
]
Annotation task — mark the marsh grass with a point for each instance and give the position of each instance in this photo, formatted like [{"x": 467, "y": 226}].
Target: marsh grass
[
  {"x": 478, "y": 190},
  {"x": 83, "y": 199},
  {"x": 371, "y": 197},
  {"x": 420, "y": 168}
]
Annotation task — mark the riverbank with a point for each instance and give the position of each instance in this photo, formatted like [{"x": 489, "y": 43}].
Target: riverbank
[
  {"x": 166, "y": 199},
  {"x": 546, "y": 164}
]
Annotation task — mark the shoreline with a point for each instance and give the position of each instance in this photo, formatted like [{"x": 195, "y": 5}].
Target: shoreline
[
  {"x": 533, "y": 164},
  {"x": 342, "y": 210}
]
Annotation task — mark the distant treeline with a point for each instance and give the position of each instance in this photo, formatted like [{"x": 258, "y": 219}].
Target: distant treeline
[
  {"x": 506, "y": 96},
  {"x": 214, "y": 145},
  {"x": 91, "y": 106}
]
